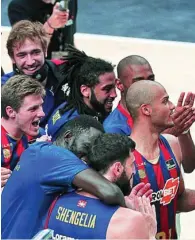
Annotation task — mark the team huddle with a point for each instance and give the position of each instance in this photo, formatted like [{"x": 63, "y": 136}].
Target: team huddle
[{"x": 73, "y": 164}]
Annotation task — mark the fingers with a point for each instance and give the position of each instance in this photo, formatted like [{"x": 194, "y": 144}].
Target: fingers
[
  {"x": 5, "y": 171},
  {"x": 136, "y": 189},
  {"x": 180, "y": 100}
]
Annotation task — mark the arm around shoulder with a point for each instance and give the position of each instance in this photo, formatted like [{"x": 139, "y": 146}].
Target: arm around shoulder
[{"x": 94, "y": 183}]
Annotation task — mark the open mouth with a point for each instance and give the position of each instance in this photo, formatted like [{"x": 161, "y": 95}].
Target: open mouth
[{"x": 36, "y": 123}]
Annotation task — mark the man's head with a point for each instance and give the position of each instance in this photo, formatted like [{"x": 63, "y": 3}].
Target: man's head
[
  {"x": 78, "y": 134},
  {"x": 21, "y": 103},
  {"x": 112, "y": 156},
  {"x": 27, "y": 46},
  {"x": 149, "y": 100},
  {"x": 91, "y": 82},
  {"x": 132, "y": 69}
]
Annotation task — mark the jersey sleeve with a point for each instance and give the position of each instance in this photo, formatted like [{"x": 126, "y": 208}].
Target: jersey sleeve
[{"x": 61, "y": 170}]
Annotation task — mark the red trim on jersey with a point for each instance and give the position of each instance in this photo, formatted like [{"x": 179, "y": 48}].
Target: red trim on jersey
[
  {"x": 163, "y": 209},
  {"x": 126, "y": 114},
  {"x": 174, "y": 174},
  {"x": 5, "y": 144},
  {"x": 141, "y": 166},
  {"x": 50, "y": 211},
  {"x": 57, "y": 61}
]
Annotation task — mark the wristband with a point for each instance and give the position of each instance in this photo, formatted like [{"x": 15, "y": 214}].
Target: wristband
[
  {"x": 185, "y": 132},
  {"x": 50, "y": 25}
]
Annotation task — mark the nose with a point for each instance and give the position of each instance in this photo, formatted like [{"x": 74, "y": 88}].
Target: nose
[
  {"x": 29, "y": 60},
  {"x": 171, "y": 105},
  {"x": 113, "y": 93},
  {"x": 40, "y": 112}
]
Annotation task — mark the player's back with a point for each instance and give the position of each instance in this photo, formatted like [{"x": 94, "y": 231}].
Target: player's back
[
  {"x": 30, "y": 189},
  {"x": 76, "y": 216}
]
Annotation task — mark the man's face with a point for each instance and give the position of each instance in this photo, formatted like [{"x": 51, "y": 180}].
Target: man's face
[
  {"x": 162, "y": 109},
  {"x": 28, "y": 116},
  {"x": 125, "y": 181},
  {"x": 29, "y": 57},
  {"x": 103, "y": 94},
  {"x": 134, "y": 73},
  {"x": 79, "y": 145}
]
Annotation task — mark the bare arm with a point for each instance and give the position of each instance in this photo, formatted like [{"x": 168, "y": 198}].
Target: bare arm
[
  {"x": 188, "y": 152},
  {"x": 92, "y": 182},
  {"x": 186, "y": 198}
]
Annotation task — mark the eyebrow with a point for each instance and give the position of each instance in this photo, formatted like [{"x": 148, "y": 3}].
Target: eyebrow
[
  {"x": 108, "y": 86},
  {"x": 34, "y": 50},
  {"x": 152, "y": 76}
]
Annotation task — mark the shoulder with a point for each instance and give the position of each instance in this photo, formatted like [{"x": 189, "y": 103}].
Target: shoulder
[
  {"x": 127, "y": 223},
  {"x": 5, "y": 77},
  {"x": 174, "y": 145}
]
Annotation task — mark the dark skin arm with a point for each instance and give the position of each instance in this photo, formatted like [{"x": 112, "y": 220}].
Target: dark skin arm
[{"x": 92, "y": 182}]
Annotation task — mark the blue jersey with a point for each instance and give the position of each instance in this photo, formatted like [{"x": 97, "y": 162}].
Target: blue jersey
[
  {"x": 164, "y": 179},
  {"x": 79, "y": 217},
  {"x": 119, "y": 121},
  {"x": 57, "y": 121},
  {"x": 43, "y": 171},
  {"x": 11, "y": 149}
]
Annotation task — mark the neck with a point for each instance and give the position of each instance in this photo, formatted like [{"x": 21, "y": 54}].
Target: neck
[
  {"x": 146, "y": 138},
  {"x": 123, "y": 102},
  {"x": 11, "y": 128}
]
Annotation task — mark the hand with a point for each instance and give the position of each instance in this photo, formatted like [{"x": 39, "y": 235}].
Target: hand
[
  {"x": 142, "y": 204},
  {"x": 184, "y": 114},
  {"x": 58, "y": 18},
  {"x": 44, "y": 138},
  {"x": 139, "y": 190},
  {"x": 5, "y": 174}
]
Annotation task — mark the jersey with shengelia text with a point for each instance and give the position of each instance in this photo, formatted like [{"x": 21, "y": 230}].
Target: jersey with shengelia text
[
  {"x": 11, "y": 149},
  {"x": 79, "y": 217},
  {"x": 118, "y": 121},
  {"x": 164, "y": 177}
]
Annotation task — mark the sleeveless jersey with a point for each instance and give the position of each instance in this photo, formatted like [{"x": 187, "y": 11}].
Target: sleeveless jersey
[
  {"x": 119, "y": 121},
  {"x": 11, "y": 149},
  {"x": 79, "y": 217},
  {"x": 164, "y": 179}
]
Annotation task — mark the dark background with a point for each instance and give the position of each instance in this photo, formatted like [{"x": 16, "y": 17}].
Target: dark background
[{"x": 155, "y": 19}]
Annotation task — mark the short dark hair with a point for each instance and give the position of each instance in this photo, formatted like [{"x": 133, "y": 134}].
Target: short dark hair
[
  {"x": 107, "y": 149},
  {"x": 16, "y": 89},
  {"x": 78, "y": 125},
  {"x": 130, "y": 60},
  {"x": 80, "y": 69}
]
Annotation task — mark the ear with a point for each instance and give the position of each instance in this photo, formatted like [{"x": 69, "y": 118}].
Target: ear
[
  {"x": 119, "y": 85},
  {"x": 10, "y": 112},
  {"x": 117, "y": 169},
  {"x": 85, "y": 91},
  {"x": 146, "y": 109},
  {"x": 67, "y": 136}
]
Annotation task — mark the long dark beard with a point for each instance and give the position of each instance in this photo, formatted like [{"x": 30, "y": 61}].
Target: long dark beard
[
  {"x": 98, "y": 107},
  {"x": 124, "y": 184}
]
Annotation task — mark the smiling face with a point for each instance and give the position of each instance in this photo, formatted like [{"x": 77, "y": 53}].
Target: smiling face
[
  {"x": 29, "y": 56},
  {"x": 103, "y": 94},
  {"x": 28, "y": 116}
]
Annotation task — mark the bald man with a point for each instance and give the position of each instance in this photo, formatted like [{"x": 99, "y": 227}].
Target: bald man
[
  {"x": 158, "y": 157},
  {"x": 135, "y": 68}
]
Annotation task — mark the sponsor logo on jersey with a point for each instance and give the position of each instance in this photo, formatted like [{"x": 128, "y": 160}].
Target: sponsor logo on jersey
[
  {"x": 168, "y": 193},
  {"x": 6, "y": 153},
  {"x": 170, "y": 164},
  {"x": 82, "y": 203},
  {"x": 56, "y": 117}
]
